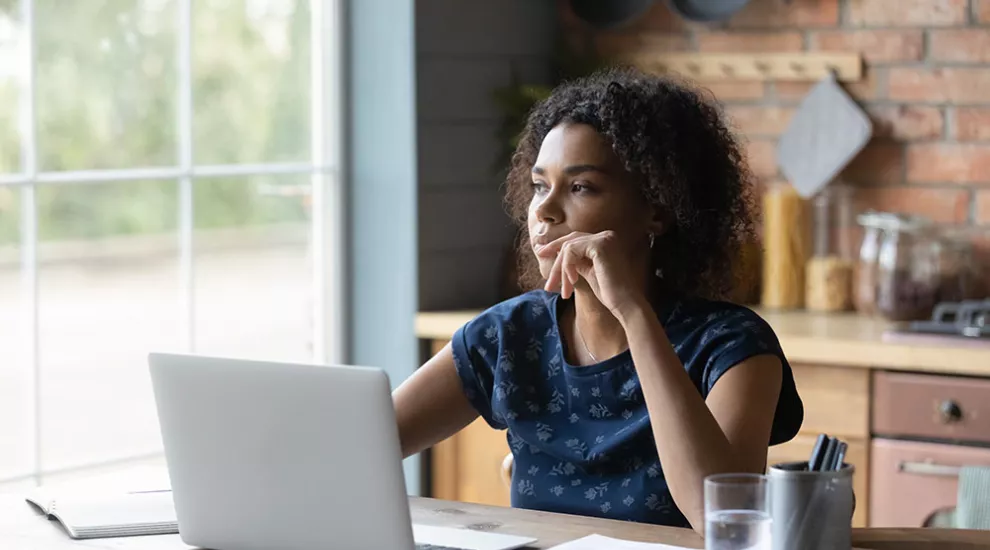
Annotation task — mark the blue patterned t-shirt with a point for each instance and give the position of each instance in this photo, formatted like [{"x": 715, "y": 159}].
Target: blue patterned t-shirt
[{"x": 580, "y": 435}]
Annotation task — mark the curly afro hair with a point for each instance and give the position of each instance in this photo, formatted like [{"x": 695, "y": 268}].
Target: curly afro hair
[{"x": 683, "y": 157}]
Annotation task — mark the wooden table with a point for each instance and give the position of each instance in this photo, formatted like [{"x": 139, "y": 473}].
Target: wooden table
[{"x": 22, "y": 528}]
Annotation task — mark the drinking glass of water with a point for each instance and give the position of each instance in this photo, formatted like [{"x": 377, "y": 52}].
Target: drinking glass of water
[{"x": 737, "y": 512}]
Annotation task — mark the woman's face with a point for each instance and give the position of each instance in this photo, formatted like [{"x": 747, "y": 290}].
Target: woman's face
[{"x": 580, "y": 185}]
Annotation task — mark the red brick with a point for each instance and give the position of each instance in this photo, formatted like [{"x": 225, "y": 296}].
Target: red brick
[
  {"x": 944, "y": 85},
  {"x": 657, "y": 18},
  {"x": 948, "y": 162},
  {"x": 983, "y": 11},
  {"x": 874, "y": 45},
  {"x": 660, "y": 18},
  {"x": 941, "y": 205},
  {"x": 863, "y": 90},
  {"x": 983, "y": 207},
  {"x": 762, "y": 157},
  {"x": 972, "y": 123},
  {"x": 772, "y": 13},
  {"x": 922, "y": 13},
  {"x": 879, "y": 163},
  {"x": 752, "y": 120},
  {"x": 614, "y": 44},
  {"x": 736, "y": 42},
  {"x": 734, "y": 91},
  {"x": 906, "y": 122},
  {"x": 960, "y": 45}
]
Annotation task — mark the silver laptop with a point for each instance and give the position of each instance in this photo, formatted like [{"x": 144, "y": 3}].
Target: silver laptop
[{"x": 268, "y": 455}]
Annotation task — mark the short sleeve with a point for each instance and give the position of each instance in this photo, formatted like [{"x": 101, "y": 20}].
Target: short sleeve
[
  {"x": 476, "y": 348},
  {"x": 737, "y": 335}
]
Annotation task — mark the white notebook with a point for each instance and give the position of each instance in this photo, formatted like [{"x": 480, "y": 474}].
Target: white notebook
[
  {"x": 599, "y": 542},
  {"x": 109, "y": 515}
]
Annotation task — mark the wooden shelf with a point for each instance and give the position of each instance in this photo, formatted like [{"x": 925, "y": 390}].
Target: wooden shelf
[{"x": 847, "y": 67}]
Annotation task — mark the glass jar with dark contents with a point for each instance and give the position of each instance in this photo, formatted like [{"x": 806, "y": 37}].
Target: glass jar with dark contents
[
  {"x": 959, "y": 268},
  {"x": 908, "y": 275}
]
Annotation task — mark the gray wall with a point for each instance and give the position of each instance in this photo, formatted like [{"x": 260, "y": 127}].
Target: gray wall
[{"x": 465, "y": 49}]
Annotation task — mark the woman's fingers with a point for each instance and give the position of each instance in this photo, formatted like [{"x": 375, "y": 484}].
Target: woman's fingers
[
  {"x": 554, "y": 277},
  {"x": 574, "y": 252},
  {"x": 566, "y": 283},
  {"x": 572, "y": 259},
  {"x": 576, "y": 256},
  {"x": 553, "y": 247}
]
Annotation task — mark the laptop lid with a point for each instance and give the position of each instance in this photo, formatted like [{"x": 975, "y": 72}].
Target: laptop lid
[{"x": 268, "y": 455}]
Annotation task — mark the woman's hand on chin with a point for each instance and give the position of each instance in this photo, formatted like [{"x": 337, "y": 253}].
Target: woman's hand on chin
[{"x": 598, "y": 260}]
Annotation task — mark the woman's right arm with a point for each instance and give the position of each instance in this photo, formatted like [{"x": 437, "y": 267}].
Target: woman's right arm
[{"x": 430, "y": 405}]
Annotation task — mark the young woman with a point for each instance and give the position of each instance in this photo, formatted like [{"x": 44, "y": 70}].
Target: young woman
[{"x": 622, "y": 382}]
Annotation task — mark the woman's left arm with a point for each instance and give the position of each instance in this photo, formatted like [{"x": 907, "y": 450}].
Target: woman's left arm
[{"x": 728, "y": 432}]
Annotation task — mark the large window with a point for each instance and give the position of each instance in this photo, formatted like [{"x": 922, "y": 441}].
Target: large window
[{"x": 168, "y": 182}]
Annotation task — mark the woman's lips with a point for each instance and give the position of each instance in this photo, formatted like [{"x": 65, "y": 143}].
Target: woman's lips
[
  {"x": 540, "y": 243},
  {"x": 541, "y": 237}
]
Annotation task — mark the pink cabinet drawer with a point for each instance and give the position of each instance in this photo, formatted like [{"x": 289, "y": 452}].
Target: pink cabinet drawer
[
  {"x": 930, "y": 406},
  {"x": 910, "y": 481}
]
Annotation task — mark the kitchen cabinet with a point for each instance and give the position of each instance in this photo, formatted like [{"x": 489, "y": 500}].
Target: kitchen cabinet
[
  {"x": 468, "y": 466},
  {"x": 913, "y": 481},
  {"x": 843, "y": 367}
]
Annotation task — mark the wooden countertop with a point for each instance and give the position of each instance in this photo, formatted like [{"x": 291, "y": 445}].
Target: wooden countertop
[
  {"x": 835, "y": 339},
  {"x": 23, "y": 527}
]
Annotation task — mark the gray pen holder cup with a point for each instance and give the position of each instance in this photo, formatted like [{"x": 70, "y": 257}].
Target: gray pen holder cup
[{"x": 811, "y": 510}]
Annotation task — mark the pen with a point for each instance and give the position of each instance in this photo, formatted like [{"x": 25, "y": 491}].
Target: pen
[
  {"x": 815, "y": 461},
  {"x": 840, "y": 454},
  {"x": 829, "y": 454}
]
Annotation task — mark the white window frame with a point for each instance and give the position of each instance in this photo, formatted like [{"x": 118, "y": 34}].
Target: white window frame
[{"x": 327, "y": 199}]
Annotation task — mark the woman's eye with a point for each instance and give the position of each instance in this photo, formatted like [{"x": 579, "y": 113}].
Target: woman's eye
[
  {"x": 539, "y": 186},
  {"x": 580, "y": 188}
]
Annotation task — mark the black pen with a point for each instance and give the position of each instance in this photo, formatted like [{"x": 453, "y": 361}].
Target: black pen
[
  {"x": 829, "y": 454},
  {"x": 817, "y": 454},
  {"x": 840, "y": 455}
]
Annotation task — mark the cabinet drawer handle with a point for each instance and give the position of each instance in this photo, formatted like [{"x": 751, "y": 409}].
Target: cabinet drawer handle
[
  {"x": 927, "y": 469},
  {"x": 949, "y": 411}
]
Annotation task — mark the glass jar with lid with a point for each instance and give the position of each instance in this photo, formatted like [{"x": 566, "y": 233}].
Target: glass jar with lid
[
  {"x": 829, "y": 271},
  {"x": 865, "y": 271},
  {"x": 908, "y": 276}
]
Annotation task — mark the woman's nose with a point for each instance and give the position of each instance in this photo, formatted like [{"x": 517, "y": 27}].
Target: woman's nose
[{"x": 548, "y": 209}]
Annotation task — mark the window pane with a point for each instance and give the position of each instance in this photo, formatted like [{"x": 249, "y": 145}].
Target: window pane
[
  {"x": 15, "y": 373},
  {"x": 10, "y": 32},
  {"x": 106, "y": 83},
  {"x": 108, "y": 295},
  {"x": 250, "y": 81},
  {"x": 252, "y": 267}
]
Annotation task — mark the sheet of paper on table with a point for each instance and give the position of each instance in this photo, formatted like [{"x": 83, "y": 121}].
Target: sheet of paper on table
[{"x": 599, "y": 542}]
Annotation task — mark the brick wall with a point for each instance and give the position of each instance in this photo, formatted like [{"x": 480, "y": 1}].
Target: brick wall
[{"x": 926, "y": 87}]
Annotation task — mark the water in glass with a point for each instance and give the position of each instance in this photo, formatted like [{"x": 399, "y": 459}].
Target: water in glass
[{"x": 737, "y": 530}]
